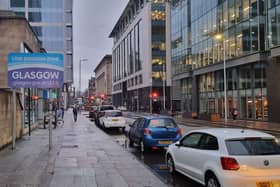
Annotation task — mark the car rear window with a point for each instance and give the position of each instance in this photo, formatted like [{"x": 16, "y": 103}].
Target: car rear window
[
  {"x": 162, "y": 123},
  {"x": 253, "y": 146},
  {"x": 106, "y": 108},
  {"x": 113, "y": 114}
]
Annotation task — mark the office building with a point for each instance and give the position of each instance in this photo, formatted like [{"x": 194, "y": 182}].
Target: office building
[
  {"x": 141, "y": 56},
  {"x": 52, "y": 21},
  {"x": 248, "y": 39}
]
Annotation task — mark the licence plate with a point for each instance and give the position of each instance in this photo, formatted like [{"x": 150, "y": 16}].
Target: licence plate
[
  {"x": 165, "y": 142},
  {"x": 268, "y": 184},
  {"x": 115, "y": 119}
]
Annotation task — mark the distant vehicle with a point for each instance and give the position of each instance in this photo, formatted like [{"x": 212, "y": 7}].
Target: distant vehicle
[
  {"x": 228, "y": 157},
  {"x": 122, "y": 108},
  {"x": 92, "y": 113},
  {"x": 154, "y": 132},
  {"x": 100, "y": 112},
  {"x": 112, "y": 119}
]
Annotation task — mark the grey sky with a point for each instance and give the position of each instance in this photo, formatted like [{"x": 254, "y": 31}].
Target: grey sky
[{"x": 93, "y": 20}]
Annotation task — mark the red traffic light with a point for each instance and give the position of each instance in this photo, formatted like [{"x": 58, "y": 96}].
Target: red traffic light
[
  {"x": 91, "y": 97},
  {"x": 102, "y": 96},
  {"x": 35, "y": 97},
  {"x": 155, "y": 95}
]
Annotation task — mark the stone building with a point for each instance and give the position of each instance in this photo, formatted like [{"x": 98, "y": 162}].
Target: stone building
[
  {"x": 103, "y": 80},
  {"x": 16, "y": 36}
]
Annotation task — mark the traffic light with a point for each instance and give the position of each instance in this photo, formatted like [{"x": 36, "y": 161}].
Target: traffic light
[
  {"x": 91, "y": 97},
  {"x": 155, "y": 95},
  {"x": 35, "y": 97},
  {"x": 102, "y": 96}
]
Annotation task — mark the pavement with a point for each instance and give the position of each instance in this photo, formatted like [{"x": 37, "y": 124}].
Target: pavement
[
  {"x": 82, "y": 156},
  {"x": 257, "y": 125}
]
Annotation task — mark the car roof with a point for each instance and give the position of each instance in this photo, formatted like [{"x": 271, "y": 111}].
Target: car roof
[
  {"x": 150, "y": 117},
  {"x": 233, "y": 133}
]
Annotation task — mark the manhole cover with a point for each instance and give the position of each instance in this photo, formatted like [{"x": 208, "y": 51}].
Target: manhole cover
[{"x": 69, "y": 146}]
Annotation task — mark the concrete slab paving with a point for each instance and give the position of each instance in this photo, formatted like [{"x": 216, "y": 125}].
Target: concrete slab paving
[{"x": 82, "y": 156}]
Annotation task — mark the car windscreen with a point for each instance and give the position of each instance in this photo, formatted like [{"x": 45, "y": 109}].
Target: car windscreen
[
  {"x": 106, "y": 108},
  {"x": 253, "y": 146},
  {"x": 162, "y": 123},
  {"x": 113, "y": 114}
]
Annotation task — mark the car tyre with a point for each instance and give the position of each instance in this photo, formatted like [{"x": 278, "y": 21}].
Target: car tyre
[
  {"x": 143, "y": 148},
  {"x": 131, "y": 144},
  {"x": 212, "y": 181},
  {"x": 170, "y": 164}
]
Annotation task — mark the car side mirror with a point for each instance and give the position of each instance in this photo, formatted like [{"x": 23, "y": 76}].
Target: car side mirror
[{"x": 178, "y": 144}]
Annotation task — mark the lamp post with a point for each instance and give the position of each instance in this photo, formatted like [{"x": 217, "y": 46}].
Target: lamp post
[
  {"x": 80, "y": 76},
  {"x": 221, "y": 37}
]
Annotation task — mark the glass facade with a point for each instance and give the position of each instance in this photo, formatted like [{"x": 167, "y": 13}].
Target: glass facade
[
  {"x": 51, "y": 20},
  {"x": 273, "y": 15},
  {"x": 139, "y": 64},
  {"x": 242, "y": 24},
  {"x": 158, "y": 43}
]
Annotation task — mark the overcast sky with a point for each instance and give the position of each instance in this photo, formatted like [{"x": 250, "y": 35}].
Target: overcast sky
[{"x": 93, "y": 20}]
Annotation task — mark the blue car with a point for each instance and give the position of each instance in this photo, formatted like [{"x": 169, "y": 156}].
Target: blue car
[{"x": 153, "y": 132}]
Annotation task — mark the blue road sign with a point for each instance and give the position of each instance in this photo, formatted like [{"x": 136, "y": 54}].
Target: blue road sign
[{"x": 35, "y": 70}]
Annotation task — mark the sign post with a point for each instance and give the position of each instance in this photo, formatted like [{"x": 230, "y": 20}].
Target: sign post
[
  {"x": 14, "y": 129},
  {"x": 35, "y": 70}
]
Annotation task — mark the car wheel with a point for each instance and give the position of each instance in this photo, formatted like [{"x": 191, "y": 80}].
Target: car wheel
[
  {"x": 170, "y": 164},
  {"x": 143, "y": 148},
  {"x": 131, "y": 144},
  {"x": 212, "y": 181}
]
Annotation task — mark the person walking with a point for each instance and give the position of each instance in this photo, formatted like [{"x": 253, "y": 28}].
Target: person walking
[
  {"x": 234, "y": 113},
  {"x": 75, "y": 113}
]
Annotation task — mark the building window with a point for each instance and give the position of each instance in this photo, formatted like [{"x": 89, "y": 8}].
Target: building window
[
  {"x": 18, "y": 3},
  {"x": 34, "y": 3},
  {"x": 35, "y": 16}
]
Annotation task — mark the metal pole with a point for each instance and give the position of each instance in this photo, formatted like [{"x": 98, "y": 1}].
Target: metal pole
[
  {"x": 80, "y": 75},
  {"x": 138, "y": 100},
  {"x": 151, "y": 110},
  {"x": 50, "y": 122},
  {"x": 14, "y": 120},
  {"x": 163, "y": 86},
  {"x": 29, "y": 112},
  {"x": 225, "y": 83}
]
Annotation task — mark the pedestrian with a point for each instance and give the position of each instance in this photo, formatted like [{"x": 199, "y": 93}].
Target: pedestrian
[
  {"x": 62, "y": 110},
  {"x": 75, "y": 113},
  {"x": 234, "y": 113}
]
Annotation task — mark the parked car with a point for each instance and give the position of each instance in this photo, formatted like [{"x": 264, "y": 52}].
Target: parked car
[
  {"x": 228, "y": 157},
  {"x": 112, "y": 119},
  {"x": 154, "y": 132},
  {"x": 92, "y": 113},
  {"x": 100, "y": 112}
]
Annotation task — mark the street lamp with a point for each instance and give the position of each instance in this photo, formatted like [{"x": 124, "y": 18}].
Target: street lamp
[
  {"x": 220, "y": 37},
  {"x": 80, "y": 77}
]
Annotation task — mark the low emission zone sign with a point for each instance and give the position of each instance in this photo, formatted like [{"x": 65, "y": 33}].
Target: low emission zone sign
[{"x": 35, "y": 70}]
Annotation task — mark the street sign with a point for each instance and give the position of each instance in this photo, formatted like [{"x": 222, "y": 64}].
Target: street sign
[{"x": 35, "y": 70}]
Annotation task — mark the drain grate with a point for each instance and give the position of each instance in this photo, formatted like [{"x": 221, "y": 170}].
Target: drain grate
[{"x": 69, "y": 146}]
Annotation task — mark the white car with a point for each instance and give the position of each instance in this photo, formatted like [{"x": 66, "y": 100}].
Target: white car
[
  {"x": 112, "y": 119},
  {"x": 226, "y": 157}
]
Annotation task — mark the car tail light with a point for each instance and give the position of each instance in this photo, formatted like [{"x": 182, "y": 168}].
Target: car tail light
[
  {"x": 179, "y": 131},
  {"x": 229, "y": 163},
  {"x": 147, "y": 131}
]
